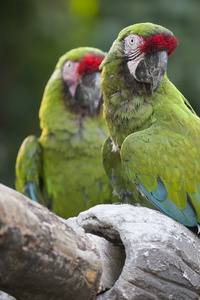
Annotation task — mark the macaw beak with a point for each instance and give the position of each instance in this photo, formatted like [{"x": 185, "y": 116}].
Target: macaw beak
[
  {"x": 152, "y": 68},
  {"x": 88, "y": 93}
]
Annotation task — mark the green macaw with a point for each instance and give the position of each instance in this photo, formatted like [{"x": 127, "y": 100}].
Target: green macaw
[
  {"x": 152, "y": 127},
  {"x": 62, "y": 169}
]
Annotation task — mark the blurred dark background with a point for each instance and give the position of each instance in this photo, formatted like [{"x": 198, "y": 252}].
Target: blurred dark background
[{"x": 34, "y": 34}]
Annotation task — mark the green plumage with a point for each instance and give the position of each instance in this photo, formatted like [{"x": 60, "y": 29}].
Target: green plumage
[
  {"x": 123, "y": 187},
  {"x": 156, "y": 132},
  {"x": 64, "y": 164}
]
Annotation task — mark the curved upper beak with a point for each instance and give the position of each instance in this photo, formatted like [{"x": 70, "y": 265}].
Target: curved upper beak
[
  {"x": 88, "y": 93},
  {"x": 152, "y": 68}
]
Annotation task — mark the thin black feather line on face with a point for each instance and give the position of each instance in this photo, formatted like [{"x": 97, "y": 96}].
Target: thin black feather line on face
[{"x": 133, "y": 54}]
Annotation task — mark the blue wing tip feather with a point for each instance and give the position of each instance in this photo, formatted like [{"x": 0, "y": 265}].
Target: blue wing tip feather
[
  {"x": 159, "y": 198},
  {"x": 31, "y": 190}
]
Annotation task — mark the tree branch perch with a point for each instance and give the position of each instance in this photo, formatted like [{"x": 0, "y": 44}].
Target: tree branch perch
[
  {"x": 107, "y": 252},
  {"x": 42, "y": 257}
]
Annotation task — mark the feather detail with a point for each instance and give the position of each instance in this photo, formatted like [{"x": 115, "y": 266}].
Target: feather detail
[
  {"x": 89, "y": 64},
  {"x": 159, "y": 198},
  {"x": 159, "y": 42}
]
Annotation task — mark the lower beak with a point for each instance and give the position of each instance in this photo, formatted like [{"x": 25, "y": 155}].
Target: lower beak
[
  {"x": 152, "y": 69},
  {"x": 88, "y": 93}
]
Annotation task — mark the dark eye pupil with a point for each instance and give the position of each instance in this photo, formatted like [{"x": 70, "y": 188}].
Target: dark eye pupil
[{"x": 132, "y": 40}]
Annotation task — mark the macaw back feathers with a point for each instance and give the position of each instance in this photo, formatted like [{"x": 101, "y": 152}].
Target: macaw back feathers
[{"x": 161, "y": 152}]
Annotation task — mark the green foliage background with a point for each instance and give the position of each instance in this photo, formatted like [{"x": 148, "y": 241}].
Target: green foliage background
[{"x": 34, "y": 34}]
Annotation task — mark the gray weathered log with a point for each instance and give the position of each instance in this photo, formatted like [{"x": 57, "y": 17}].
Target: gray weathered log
[
  {"x": 5, "y": 296},
  {"x": 42, "y": 257},
  {"x": 162, "y": 256},
  {"x": 130, "y": 253}
]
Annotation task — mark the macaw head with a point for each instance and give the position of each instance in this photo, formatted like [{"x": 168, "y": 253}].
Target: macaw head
[{"x": 143, "y": 50}]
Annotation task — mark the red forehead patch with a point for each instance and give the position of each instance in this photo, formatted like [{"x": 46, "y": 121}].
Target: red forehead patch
[
  {"x": 89, "y": 64},
  {"x": 159, "y": 42}
]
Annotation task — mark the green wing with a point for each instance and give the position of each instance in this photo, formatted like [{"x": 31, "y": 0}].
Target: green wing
[
  {"x": 123, "y": 187},
  {"x": 166, "y": 167},
  {"x": 29, "y": 169}
]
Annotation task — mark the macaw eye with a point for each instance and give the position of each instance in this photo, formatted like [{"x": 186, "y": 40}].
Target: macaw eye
[
  {"x": 68, "y": 64},
  {"x": 132, "y": 41}
]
